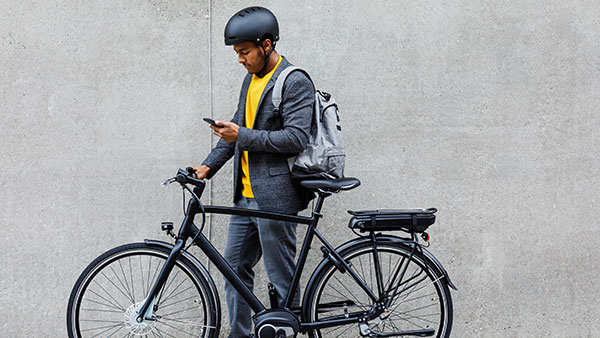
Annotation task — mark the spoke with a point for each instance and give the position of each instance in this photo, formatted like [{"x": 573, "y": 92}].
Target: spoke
[
  {"x": 117, "y": 306},
  {"x": 419, "y": 317},
  {"x": 109, "y": 304},
  {"x": 412, "y": 286},
  {"x": 415, "y": 298},
  {"x": 413, "y": 291},
  {"x": 131, "y": 274},
  {"x": 172, "y": 313},
  {"x": 162, "y": 292},
  {"x": 104, "y": 332},
  {"x": 154, "y": 275},
  {"x": 187, "y": 322},
  {"x": 108, "y": 293},
  {"x": 112, "y": 334},
  {"x": 128, "y": 295},
  {"x": 389, "y": 271},
  {"x": 351, "y": 293},
  {"x": 393, "y": 290},
  {"x": 103, "y": 327},
  {"x": 115, "y": 285},
  {"x": 370, "y": 272},
  {"x": 396, "y": 270},
  {"x": 336, "y": 329},
  {"x": 365, "y": 305},
  {"x": 160, "y": 332},
  {"x": 142, "y": 275},
  {"x": 149, "y": 271},
  {"x": 393, "y": 325},
  {"x": 363, "y": 275},
  {"x": 177, "y": 302},
  {"x": 101, "y": 321},
  {"x": 98, "y": 310},
  {"x": 126, "y": 281},
  {"x": 419, "y": 308},
  {"x": 170, "y": 294},
  {"x": 178, "y": 329},
  {"x": 341, "y": 333},
  {"x": 415, "y": 324}
]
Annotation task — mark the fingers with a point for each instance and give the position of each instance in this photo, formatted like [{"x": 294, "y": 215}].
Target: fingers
[
  {"x": 227, "y": 132},
  {"x": 201, "y": 171}
]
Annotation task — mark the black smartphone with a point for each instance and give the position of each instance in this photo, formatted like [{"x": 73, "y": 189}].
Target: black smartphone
[{"x": 211, "y": 121}]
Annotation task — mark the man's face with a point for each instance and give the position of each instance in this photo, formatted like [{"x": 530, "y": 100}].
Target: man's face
[{"x": 250, "y": 56}]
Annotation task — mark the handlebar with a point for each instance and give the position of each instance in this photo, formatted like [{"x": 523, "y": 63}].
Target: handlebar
[{"x": 187, "y": 176}]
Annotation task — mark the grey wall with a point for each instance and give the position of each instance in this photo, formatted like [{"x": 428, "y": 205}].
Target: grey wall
[{"x": 486, "y": 110}]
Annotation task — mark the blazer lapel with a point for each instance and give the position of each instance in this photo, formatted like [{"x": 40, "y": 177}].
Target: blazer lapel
[
  {"x": 242, "y": 104},
  {"x": 283, "y": 65}
]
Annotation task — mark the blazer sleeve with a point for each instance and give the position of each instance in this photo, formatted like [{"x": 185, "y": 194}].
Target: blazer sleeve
[{"x": 298, "y": 100}]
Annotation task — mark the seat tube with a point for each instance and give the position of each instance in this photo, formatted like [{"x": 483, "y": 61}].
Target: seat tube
[
  {"x": 300, "y": 265},
  {"x": 310, "y": 233}
]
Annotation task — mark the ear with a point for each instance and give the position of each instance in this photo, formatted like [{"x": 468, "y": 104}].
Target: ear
[{"x": 267, "y": 44}]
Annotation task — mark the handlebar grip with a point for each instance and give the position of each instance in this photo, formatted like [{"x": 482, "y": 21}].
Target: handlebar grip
[{"x": 183, "y": 177}]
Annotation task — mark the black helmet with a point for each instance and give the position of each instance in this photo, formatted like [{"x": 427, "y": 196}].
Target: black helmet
[{"x": 251, "y": 24}]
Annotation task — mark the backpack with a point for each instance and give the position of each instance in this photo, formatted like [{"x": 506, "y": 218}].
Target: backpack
[{"x": 324, "y": 155}]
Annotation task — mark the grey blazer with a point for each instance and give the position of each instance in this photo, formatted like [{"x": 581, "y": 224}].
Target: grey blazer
[{"x": 273, "y": 138}]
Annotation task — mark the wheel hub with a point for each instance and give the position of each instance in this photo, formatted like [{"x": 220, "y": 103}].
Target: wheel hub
[{"x": 135, "y": 327}]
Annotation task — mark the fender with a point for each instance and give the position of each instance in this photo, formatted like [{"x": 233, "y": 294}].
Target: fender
[
  {"x": 426, "y": 252},
  {"x": 379, "y": 238},
  {"x": 200, "y": 267}
]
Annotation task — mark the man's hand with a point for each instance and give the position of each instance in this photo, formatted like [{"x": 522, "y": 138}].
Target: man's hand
[
  {"x": 202, "y": 171},
  {"x": 229, "y": 131}
]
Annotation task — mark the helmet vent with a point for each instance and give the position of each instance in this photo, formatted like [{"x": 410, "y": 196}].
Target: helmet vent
[{"x": 233, "y": 37}]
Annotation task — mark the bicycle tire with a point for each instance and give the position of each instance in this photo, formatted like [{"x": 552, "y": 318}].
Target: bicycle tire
[
  {"x": 334, "y": 295},
  {"x": 105, "y": 298}
]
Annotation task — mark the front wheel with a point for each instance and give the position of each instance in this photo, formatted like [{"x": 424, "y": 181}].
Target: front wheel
[
  {"x": 110, "y": 291},
  {"x": 412, "y": 295}
]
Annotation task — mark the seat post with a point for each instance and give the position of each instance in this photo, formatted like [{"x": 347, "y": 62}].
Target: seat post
[{"x": 320, "y": 199}]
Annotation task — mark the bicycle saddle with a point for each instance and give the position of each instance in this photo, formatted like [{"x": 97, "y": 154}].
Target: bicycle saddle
[{"x": 344, "y": 183}]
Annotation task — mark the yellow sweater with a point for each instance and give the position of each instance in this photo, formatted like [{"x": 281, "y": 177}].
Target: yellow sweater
[{"x": 257, "y": 86}]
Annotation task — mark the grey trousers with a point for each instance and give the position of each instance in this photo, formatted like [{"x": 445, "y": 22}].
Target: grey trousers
[{"x": 247, "y": 239}]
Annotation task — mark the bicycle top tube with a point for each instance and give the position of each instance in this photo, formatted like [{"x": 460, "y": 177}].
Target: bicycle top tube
[{"x": 257, "y": 213}]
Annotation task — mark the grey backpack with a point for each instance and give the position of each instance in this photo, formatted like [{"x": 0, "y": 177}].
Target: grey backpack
[{"x": 324, "y": 156}]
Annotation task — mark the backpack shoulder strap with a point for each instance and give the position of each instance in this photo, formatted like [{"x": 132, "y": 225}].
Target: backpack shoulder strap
[{"x": 276, "y": 97}]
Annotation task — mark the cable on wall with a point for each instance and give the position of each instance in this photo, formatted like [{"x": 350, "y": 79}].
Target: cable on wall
[{"x": 210, "y": 109}]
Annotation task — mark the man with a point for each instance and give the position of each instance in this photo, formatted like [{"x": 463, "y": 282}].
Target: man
[{"x": 261, "y": 140}]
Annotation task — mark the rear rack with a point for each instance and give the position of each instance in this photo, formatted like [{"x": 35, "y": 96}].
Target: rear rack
[{"x": 408, "y": 220}]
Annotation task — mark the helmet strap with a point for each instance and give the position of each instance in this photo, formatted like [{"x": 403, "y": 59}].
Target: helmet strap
[{"x": 267, "y": 55}]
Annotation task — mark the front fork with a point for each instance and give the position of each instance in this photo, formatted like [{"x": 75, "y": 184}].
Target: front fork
[{"x": 145, "y": 312}]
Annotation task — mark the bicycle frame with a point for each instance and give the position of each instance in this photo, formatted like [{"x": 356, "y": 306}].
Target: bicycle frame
[{"x": 188, "y": 229}]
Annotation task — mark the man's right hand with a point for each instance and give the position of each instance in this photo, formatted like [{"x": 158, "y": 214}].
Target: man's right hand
[{"x": 202, "y": 171}]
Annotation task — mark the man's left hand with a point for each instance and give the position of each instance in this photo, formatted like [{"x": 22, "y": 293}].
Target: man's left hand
[{"x": 229, "y": 131}]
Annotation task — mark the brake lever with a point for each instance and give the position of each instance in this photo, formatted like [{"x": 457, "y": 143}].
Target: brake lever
[{"x": 169, "y": 181}]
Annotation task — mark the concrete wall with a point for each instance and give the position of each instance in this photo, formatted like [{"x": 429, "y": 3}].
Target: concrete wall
[{"x": 486, "y": 110}]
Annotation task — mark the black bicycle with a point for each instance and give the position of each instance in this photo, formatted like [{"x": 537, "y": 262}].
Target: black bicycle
[{"x": 376, "y": 285}]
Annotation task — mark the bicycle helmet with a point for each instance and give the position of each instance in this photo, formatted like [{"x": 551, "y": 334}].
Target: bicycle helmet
[{"x": 252, "y": 24}]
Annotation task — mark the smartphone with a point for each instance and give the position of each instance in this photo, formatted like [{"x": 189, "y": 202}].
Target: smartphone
[{"x": 211, "y": 121}]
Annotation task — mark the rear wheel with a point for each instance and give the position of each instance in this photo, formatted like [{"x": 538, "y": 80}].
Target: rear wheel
[
  {"x": 415, "y": 297},
  {"x": 111, "y": 290}
]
